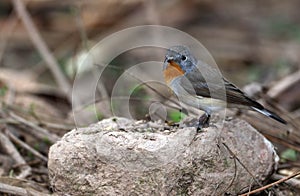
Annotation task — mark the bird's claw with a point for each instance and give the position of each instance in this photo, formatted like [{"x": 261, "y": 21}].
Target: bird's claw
[{"x": 203, "y": 122}]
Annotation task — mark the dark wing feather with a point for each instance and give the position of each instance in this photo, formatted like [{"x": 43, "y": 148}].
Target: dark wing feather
[
  {"x": 236, "y": 96},
  {"x": 194, "y": 83}
]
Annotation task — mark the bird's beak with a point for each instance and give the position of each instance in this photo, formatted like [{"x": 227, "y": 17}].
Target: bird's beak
[
  {"x": 168, "y": 59},
  {"x": 166, "y": 62}
]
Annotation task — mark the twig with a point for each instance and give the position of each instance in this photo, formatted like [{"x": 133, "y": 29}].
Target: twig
[
  {"x": 288, "y": 164},
  {"x": 13, "y": 152},
  {"x": 234, "y": 176},
  {"x": 42, "y": 171},
  {"x": 57, "y": 126},
  {"x": 25, "y": 146},
  {"x": 8, "y": 121},
  {"x": 295, "y": 114},
  {"x": 283, "y": 112},
  {"x": 15, "y": 190},
  {"x": 42, "y": 47},
  {"x": 282, "y": 141},
  {"x": 5, "y": 188},
  {"x": 272, "y": 184},
  {"x": 284, "y": 84},
  {"x": 40, "y": 132},
  {"x": 232, "y": 154},
  {"x": 295, "y": 183},
  {"x": 274, "y": 131}
]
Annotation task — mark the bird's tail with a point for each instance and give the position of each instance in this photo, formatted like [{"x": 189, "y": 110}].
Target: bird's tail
[{"x": 269, "y": 114}]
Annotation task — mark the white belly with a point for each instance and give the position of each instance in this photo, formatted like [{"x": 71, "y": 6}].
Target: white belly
[{"x": 209, "y": 105}]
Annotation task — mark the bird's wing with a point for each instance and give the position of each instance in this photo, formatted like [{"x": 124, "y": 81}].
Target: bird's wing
[
  {"x": 195, "y": 83},
  {"x": 236, "y": 96}
]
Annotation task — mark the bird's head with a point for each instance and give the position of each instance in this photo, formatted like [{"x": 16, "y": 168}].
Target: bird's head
[{"x": 180, "y": 58}]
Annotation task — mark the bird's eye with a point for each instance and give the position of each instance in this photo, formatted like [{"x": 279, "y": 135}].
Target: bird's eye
[{"x": 183, "y": 57}]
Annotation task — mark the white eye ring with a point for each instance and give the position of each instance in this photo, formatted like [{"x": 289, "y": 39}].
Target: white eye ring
[{"x": 183, "y": 58}]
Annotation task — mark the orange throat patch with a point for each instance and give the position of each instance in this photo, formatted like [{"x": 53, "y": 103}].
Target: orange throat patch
[{"x": 172, "y": 71}]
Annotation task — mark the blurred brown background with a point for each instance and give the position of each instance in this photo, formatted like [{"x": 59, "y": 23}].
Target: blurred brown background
[{"x": 250, "y": 40}]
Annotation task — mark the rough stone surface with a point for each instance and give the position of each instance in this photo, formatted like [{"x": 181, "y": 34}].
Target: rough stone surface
[{"x": 118, "y": 156}]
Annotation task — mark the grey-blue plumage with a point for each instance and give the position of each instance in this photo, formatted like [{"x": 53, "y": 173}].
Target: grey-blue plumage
[{"x": 202, "y": 86}]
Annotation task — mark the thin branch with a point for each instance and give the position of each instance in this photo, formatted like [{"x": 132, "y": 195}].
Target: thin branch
[
  {"x": 295, "y": 183},
  {"x": 284, "y": 84},
  {"x": 13, "y": 152},
  {"x": 272, "y": 184},
  {"x": 41, "y": 46},
  {"x": 283, "y": 112},
  {"x": 282, "y": 141},
  {"x": 57, "y": 126},
  {"x": 274, "y": 131},
  {"x": 8, "y": 121},
  {"x": 15, "y": 190},
  {"x": 234, "y": 176},
  {"x": 40, "y": 132},
  {"x": 5, "y": 188},
  {"x": 25, "y": 146},
  {"x": 234, "y": 155}
]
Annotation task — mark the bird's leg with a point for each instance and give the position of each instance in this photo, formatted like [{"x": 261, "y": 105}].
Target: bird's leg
[{"x": 203, "y": 121}]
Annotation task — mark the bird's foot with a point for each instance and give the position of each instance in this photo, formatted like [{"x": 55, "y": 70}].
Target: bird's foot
[
  {"x": 172, "y": 124},
  {"x": 203, "y": 122}
]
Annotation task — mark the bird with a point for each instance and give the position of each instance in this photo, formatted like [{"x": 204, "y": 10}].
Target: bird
[{"x": 202, "y": 86}]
